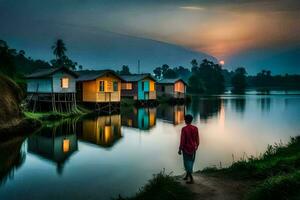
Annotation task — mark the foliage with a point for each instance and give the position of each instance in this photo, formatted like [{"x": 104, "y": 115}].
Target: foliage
[
  {"x": 165, "y": 71},
  {"x": 264, "y": 79},
  {"x": 239, "y": 80},
  {"x": 7, "y": 65},
  {"x": 64, "y": 61},
  {"x": 277, "y": 159},
  {"x": 59, "y": 50},
  {"x": 211, "y": 76},
  {"x": 277, "y": 187},
  {"x": 125, "y": 70},
  {"x": 162, "y": 186}
]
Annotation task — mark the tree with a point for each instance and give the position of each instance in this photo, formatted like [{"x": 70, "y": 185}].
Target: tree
[
  {"x": 7, "y": 65},
  {"x": 195, "y": 85},
  {"x": 170, "y": 73},
  {"x": 194, "y": 64},
  {"x": 211, "y": 76},
  {"x": 238, "y": 80},
  {"x": 64, "y": 61},
  {"x": 59, "y": 49},
  {"x": 125, "y": 70},
  {"x": 158, "y": 72}
]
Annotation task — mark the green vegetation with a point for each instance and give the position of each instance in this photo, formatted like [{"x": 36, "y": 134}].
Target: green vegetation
[
  {"x": 206, "y": 78},
  {"x": 162, "y": 186},
  {"x": 239, "y": 81},
  {"x": 277, "y": 172},
  {"x": 52, "y": 116}
]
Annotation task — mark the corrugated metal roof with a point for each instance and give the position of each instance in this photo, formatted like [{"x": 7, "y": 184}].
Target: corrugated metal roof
[
  {"x": 136, "y": 77},
  {"x": 88, "y": 75},
  {"x": 44, "y": 72},
  {"x": 170, "y": 80}
]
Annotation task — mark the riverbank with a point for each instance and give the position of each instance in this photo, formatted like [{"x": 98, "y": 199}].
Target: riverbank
[{"x": 273, "y": 175}]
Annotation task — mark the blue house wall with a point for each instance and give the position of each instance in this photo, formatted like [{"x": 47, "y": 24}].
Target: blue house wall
[
  {"x": 39, "y": 85},
  {"x": 141, "y": 90},
  {"x": 51, "y": 84}
]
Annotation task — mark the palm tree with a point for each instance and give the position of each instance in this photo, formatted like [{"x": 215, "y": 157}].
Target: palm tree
[{"x": 59, "y": 49}]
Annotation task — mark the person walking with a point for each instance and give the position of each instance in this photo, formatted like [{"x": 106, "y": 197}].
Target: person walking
[{"x": 189, "y": 142}]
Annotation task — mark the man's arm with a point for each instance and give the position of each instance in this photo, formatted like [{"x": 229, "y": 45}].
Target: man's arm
[
  {"x": 197, "y": 137},
  {"x": 182, "y": 141}
]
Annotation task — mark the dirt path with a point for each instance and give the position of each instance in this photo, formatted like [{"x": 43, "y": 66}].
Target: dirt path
[{"x": 211, "y": 188}]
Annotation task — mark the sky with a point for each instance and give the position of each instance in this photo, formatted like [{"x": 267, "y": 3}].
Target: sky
[{"x": 256, "y": 34}]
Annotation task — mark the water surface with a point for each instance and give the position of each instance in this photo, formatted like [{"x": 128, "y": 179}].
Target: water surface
[{"x": 102, "y": 156}]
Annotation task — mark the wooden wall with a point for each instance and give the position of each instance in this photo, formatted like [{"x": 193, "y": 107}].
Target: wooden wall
[{"x": 91, "y": 90}]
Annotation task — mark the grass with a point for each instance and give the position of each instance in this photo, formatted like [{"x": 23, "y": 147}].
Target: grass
[
  {"x": 277, "y": 172},
  {"x": 277, "y": 187},
  {"x": 162, "y": 186},
  {"x": 52, "y": 116}
]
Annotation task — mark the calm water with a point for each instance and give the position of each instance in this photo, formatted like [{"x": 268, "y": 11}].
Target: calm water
[{"x": 100, "y": 157}]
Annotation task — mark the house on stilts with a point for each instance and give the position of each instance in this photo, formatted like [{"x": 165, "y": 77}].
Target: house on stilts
[
  {"x": 99, "y": 89},
  {"x": 52, "y": 89},
  {"x": 171, "y": 88},
  {"x": 140, "y": 87}
]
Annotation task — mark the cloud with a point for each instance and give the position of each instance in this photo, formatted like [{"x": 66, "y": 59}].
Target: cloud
[{"x": 191, "y": 8}]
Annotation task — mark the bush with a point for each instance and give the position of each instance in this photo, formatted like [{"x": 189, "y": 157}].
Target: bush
[
  {"x": 162, "y": 186},
  {"x": 278, "y": 187}
]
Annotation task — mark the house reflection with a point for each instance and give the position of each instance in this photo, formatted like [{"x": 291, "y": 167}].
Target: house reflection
[
  {"x": 141, "y": 118},
  {"x": 55, "y": 144},
  {"x": 171, "y": 114},
  {"x": 100, "y": 130}
]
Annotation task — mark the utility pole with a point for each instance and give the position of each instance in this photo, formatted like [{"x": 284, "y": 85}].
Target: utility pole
[{"x": 139, "y": 67}]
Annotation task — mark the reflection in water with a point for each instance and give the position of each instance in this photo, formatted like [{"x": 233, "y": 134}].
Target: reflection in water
[
  {"x": 239, "y": 104},
  {"x": 100, "y": 130},
  {"x": 55, "y": 144},
  {"x": 224, "y": 134},
  {"x": 11, "y": 158},
  {"x": 205, "y": 107},
  {"x": 265, "y": 103},
  {"x": 171, "y": 114},
  {"x": 141, "y": 118}
]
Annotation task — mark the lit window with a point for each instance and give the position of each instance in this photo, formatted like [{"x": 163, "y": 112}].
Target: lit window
[
  {"x": 101, "y": 86},
  {"x": 126, "y": 86},
  {"x": 65, "y": 82},
  {"x": 66, "y": 146},
  {"x": 115, "y": 85}
]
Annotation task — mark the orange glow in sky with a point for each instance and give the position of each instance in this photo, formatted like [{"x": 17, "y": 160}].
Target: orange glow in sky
[{"x": 222, "y": 62}]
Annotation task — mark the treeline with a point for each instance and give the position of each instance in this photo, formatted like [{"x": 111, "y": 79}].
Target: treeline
[
  {"x": 14, "y": 63},
  {"x": 205, "y": 77}
]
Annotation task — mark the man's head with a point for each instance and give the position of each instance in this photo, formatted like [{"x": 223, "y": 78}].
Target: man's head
[{"x": 188, "y": 119}]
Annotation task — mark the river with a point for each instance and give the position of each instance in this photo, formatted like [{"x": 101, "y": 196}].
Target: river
[{"x": 99, "y": 157}]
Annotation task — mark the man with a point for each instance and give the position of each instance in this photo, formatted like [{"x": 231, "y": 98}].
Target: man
[{"x": 189, "y": 143}]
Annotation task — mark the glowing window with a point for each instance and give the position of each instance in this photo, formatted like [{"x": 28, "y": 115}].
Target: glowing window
[
  {"x": 66, "y": 146},
  {"x": 101, "y": 86},
  {"x": 126, "y": 86},
  {"x": 65, "y": 82}
]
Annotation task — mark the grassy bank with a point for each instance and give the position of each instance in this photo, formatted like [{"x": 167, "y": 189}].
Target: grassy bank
[
  {"x": 277, "y": 172},
  {"x": 162, "y": 186}
]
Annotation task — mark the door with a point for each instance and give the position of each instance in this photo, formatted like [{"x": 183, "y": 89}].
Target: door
[{"x": 146, "y": 95}]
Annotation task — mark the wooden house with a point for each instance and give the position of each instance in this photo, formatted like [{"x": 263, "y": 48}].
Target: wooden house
[
  {"x": 171, "y": 114},
  {"x": 140, "y": 118},
  {"x": 104, "y": 131},
  {"x": 52, "y": 86},
  {"x": 173, "y": 88},
  {"x": 99, "y": 87},
  {"x": 139, "y": 87}
]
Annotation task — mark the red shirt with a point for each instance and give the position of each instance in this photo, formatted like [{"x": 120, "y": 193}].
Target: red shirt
[{"x": 189, "y": 140}]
